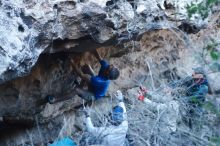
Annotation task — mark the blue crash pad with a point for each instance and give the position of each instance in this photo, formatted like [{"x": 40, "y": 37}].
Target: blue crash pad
[{"x": 64, "y": 142}]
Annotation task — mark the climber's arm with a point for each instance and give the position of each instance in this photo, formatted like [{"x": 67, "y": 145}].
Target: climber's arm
[
  {"x": 96, "y": 131},
  {"x": 120, "y": 97},
  {"x": 79, "y": 72},
  {"x": 121, "y": 104},
  {"x": 87, "y": 69}
]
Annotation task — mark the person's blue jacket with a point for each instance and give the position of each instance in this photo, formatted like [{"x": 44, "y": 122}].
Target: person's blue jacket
[
  {"x": 198, "y": 90},
  {"x": 100, "y": 83}
]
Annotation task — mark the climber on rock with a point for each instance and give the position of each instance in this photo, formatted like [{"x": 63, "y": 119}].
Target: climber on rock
[
  {"x": 97, "y": 84},
  {"x": 115, "y": 134}
]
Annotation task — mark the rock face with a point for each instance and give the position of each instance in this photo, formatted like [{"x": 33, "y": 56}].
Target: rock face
[{"x": 32, "y": 27}]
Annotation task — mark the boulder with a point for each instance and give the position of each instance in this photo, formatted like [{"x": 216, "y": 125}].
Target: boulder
[{"x": 35, "y": 27}]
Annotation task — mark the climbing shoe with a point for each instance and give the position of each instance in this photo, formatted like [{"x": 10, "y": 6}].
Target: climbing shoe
[{"x": 50, "y": 99}]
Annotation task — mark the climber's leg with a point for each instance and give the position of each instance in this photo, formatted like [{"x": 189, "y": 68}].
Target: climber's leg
[
  {"x": 18, "y": 121},
  {"x": 53, "y": 99},
  {"x": 85, "y": 94}
]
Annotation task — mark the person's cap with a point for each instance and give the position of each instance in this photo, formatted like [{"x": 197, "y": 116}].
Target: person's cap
[
  {"x": 114, "y": 73},
  {"x": 199, "y": 70},
  {"x": 117, "y": 114}
]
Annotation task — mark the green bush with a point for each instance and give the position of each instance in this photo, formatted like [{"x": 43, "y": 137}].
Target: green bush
[
  {"x": 215, "y": 140},
  {"x": 203, "y": 8},
  {"x": 209, "y": 106},
  {"x": 215, "y": 55},
  {"x": 211, "y": 48}
]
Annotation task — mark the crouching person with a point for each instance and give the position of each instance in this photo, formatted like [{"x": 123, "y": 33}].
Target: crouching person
[
  {"x": 199, "y": 88},
  {"x": 115, "y": 134}
]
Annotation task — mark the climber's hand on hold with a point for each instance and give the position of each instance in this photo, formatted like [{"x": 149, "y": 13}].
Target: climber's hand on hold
[
  {"x": 87, "y": 69},
  {"x": 119, "y": 95},
  {"x": 79, "y": 72}
]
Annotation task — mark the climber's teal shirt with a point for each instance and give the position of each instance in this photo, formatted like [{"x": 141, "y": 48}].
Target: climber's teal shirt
[{"x": 100, "y": 83}]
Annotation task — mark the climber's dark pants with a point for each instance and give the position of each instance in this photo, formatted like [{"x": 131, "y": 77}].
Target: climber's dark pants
[{"x": 87, "y": 94}]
